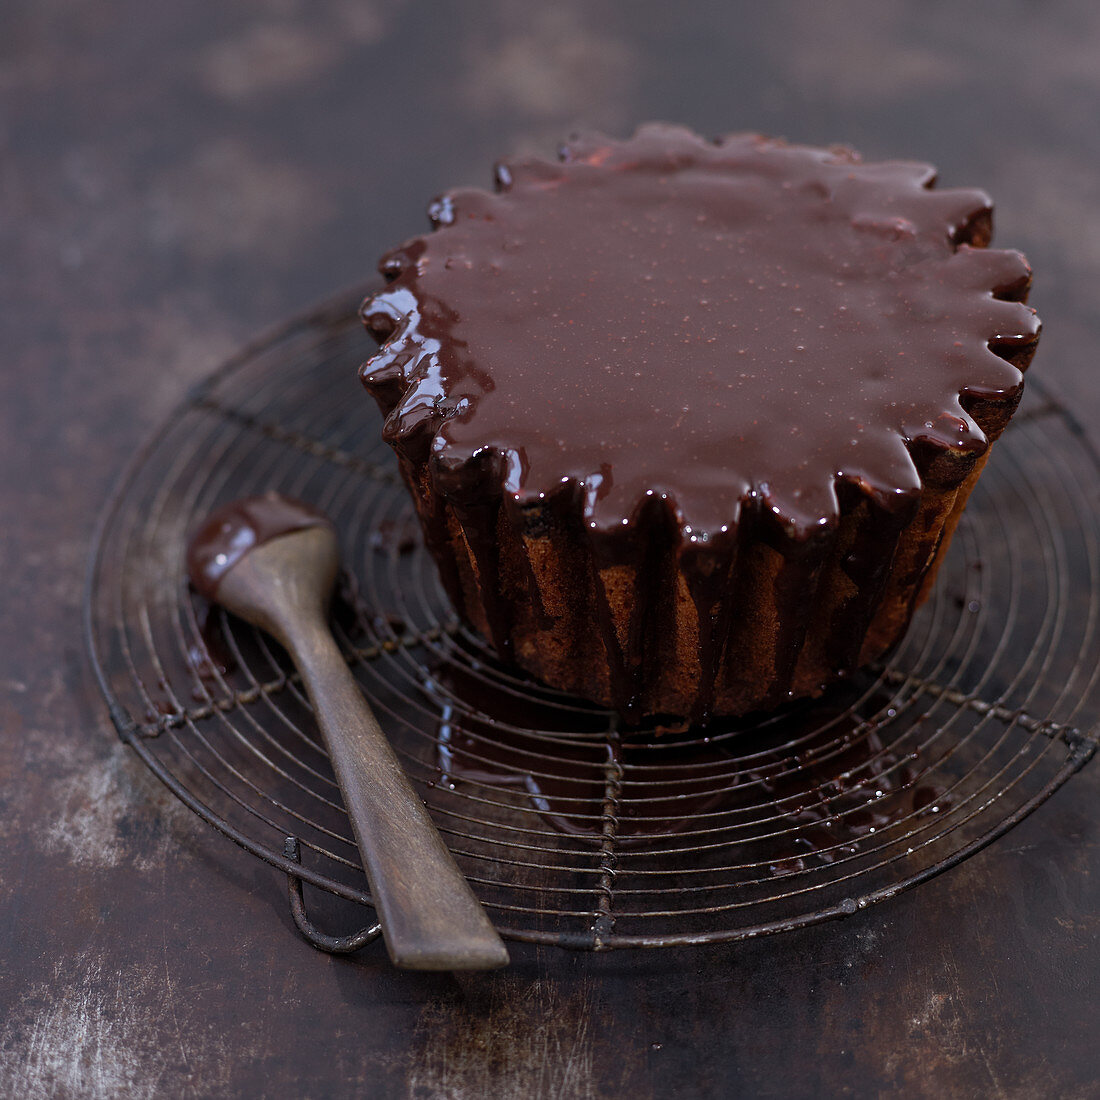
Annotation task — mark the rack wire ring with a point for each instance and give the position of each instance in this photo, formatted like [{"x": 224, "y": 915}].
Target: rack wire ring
[{"x": 572, "y": 831}]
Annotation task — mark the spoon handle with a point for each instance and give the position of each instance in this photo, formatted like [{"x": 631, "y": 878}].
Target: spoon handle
[{"x": 430, "y": 918}]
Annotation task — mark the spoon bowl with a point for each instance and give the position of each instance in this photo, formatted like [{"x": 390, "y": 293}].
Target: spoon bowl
[{"x": 273, "y": 562}]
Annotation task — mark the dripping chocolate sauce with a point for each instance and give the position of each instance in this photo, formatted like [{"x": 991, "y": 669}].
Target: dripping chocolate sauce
[{"x": 209, "y": 659}]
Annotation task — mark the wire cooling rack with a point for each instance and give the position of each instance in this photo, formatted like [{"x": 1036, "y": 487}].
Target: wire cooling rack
[{"x": 571, "y": 829}]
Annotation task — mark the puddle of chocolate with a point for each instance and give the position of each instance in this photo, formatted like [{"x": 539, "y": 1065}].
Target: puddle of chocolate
[{"x": 842, "y": 783}]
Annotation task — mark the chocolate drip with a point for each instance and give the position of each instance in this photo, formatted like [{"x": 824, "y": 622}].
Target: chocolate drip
[
  {"x": 707, "y": 570},
  {"x": 795, "y": 588},
  {"x": 615, "y": 563},
  {"x": 866, "y": 563},
  {"x": 479, "y": 526}
]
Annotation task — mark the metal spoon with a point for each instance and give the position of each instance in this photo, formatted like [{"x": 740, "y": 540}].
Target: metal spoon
[{"x": 273, "y": 562}]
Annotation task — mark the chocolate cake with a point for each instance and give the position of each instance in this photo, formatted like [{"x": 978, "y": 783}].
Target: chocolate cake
[{"x": 689, "y": 424}]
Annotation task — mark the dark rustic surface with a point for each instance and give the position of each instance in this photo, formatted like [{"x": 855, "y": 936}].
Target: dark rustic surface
[{"x": 174, "y": 178}]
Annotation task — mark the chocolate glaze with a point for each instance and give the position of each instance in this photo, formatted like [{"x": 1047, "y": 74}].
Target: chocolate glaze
[
  {"x": 709, "y": 342},
  {"x": 210, "y": 659},
  {"x": 236, "y": 528}
]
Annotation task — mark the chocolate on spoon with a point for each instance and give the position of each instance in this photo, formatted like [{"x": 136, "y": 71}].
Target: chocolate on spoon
[{"x": 273, "y": 561}]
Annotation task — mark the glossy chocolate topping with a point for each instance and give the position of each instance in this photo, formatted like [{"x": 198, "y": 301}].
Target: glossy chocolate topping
[
  {"x": 704, "y": 323},
  {"x": 236, "y": 528}
]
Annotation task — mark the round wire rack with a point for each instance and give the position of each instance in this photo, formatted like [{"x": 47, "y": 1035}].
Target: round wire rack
[{"x": 571, "y": 829}]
